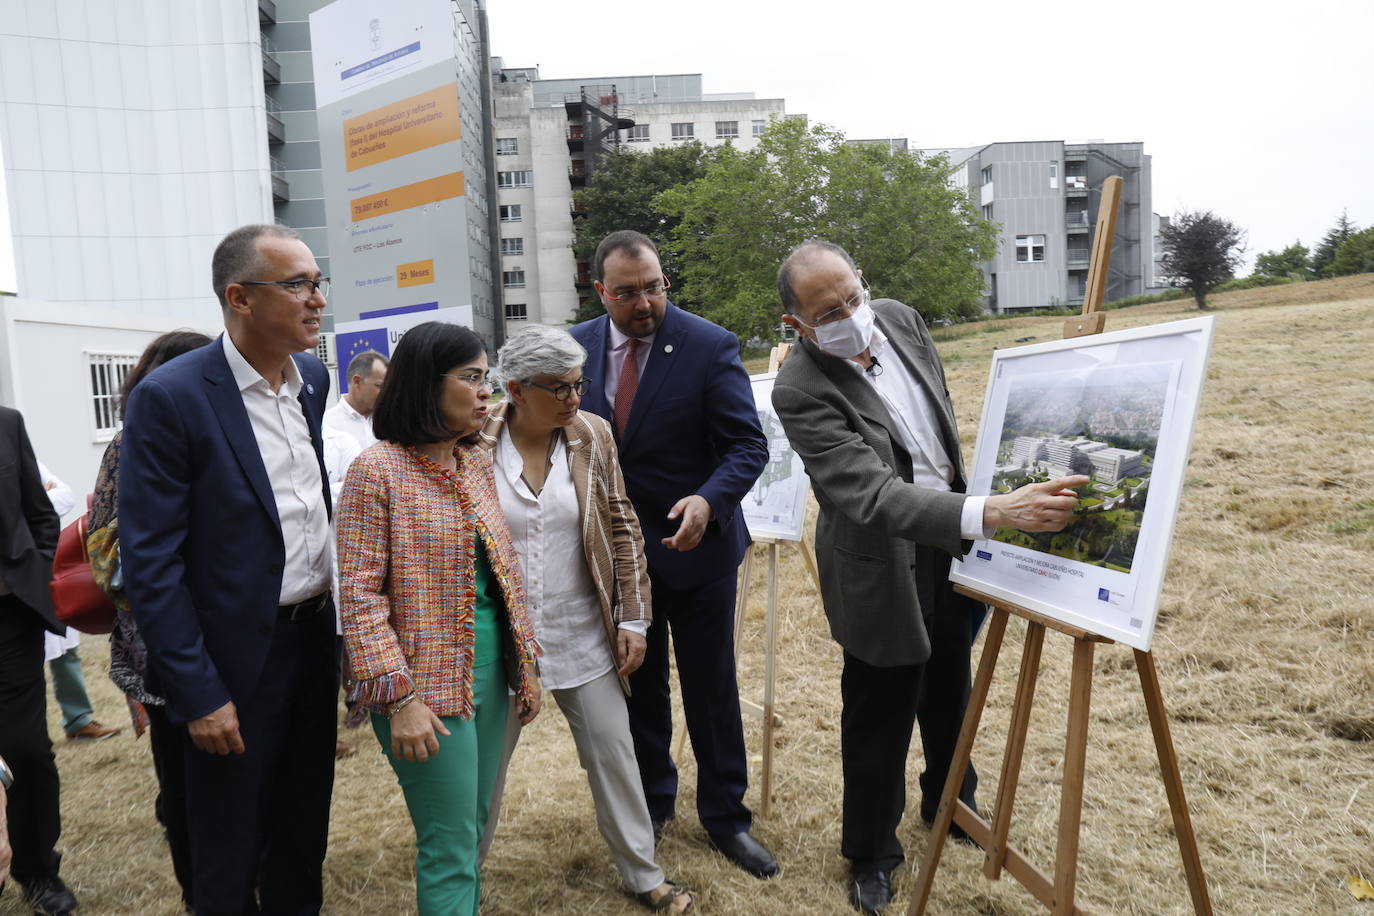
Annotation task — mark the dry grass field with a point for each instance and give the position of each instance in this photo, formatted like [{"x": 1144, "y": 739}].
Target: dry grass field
[{"x": 1265, "y": 648}]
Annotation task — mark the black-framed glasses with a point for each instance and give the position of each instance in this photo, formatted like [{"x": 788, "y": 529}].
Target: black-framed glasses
[
  {"x": 649, "y": 292},
  {"x": 301, "y": 289},
  {"x": 471, "y": 379},
  {"x": 564, "y": 390}
]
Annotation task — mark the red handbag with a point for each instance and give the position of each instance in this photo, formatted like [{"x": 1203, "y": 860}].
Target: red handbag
[{"x": 78, "y": 601}]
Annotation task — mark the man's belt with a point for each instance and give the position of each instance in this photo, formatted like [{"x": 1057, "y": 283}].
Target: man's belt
[{"x": 303, "y": 610}]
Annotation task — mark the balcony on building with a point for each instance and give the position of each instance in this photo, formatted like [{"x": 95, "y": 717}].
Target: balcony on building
[
  {"x": 577, "y": 174},
  {"x": 267, "y": 12},
  {"x": 583, "y": 278},
  {"x": 1076, "y": 222},
  {"x": 1075, "y": 154},
  {"x": 271, "y": 67},
  {"x": 276, "y": 128},
  {"x": 577, "y": 209},
  {"x": 1075, "y": 185},
  {"x": 575, "y": 138},
  {"x": 1077, "y": 258},
  {"x": 281, "y": 190}
]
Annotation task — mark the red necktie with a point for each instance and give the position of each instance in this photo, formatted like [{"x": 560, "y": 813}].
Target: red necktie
[{"x": 629, "y": 384}]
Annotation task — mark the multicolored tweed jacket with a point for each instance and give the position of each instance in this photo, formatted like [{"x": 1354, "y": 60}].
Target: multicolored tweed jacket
[{"x": 406, "y": 577}]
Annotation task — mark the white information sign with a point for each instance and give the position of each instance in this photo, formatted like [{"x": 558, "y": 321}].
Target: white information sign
[
  {"x": 776, "y": 505},
  {"x": 1120, "y": 408}
]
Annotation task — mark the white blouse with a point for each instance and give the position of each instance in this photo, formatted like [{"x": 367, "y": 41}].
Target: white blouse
[{"x": 547, "y": 530}]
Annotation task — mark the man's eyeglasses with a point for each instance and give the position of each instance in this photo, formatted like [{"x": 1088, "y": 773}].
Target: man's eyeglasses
[
  {"x": 565, "y": 390},
  {"x": 472, "y": 379},
  {"x": 653, "y": 290},
  {"x": 841, "y": 311},
  {"x": 301, "y": 289}
]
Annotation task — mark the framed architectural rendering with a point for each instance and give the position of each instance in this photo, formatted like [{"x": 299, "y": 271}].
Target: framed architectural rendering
[
  {"x": 1120, "y": 408},
  {"x": 775, "y": 506}
]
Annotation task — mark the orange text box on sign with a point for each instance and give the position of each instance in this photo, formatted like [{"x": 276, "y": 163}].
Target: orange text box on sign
[
  {"x": 403, "y": 127},
  {"x": 416, "y": 273},
  {"x": 407, "y": 195}
]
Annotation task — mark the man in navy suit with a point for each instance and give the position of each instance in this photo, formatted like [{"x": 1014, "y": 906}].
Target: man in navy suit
[
  {"x": 224, "y": 537},
  {"x": 28, "y": 537},
  {"x": 674, "y": 389}
]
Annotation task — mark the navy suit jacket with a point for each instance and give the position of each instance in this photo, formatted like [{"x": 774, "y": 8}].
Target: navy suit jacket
[
  {"x": 199, "y": 538},
  {"x": 694, "y": 428},
  {"x": 28, "y": 524}
]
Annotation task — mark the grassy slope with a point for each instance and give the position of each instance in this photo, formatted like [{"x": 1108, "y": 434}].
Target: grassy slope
[{"x": 1265, "y": 648}]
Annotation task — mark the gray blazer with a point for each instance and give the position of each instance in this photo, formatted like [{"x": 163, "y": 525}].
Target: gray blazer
[{"x": 871, "y": 514}]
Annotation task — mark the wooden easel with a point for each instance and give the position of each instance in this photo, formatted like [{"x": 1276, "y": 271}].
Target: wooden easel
[
  {"x": 764, "y": 710},
  {"x": 992, "y": 836}
]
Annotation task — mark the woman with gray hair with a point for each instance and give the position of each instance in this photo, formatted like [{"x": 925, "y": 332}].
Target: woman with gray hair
[{"x": 578, "y": 539}]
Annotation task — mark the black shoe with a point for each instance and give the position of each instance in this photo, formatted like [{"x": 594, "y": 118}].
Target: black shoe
[
  {"x": 870, "y": 891},
  {"x": 49, "y": 896},
  {"x": 659, "y": 827},
  {"x": 746, "y": 852}
]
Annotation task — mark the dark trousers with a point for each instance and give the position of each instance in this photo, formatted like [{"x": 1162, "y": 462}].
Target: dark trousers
[
  {"x": 702, "y": 622},
  {"x": 34, "y": 819},
  {"x": 168, "y": 743},
  {"x": 260, "y": 820},
  {"x": 880, "y": 706}
]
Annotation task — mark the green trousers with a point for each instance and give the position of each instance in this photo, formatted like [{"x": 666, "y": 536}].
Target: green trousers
[{"x": 448, "y": 796}]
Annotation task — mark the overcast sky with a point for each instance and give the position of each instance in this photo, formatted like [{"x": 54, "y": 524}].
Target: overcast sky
[{"x": 1262, "y": 112}]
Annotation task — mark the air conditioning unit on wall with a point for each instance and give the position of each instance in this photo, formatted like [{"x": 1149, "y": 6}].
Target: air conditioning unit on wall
[{"x": 327, "y": 351}]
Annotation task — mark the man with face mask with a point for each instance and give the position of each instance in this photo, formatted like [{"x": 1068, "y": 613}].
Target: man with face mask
[{"x": 864, "y": 402}]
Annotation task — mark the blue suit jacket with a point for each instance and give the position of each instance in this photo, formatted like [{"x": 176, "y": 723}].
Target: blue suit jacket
[
  {"x": 200, "y": 542},
  {"x": 694, "y": 428}
]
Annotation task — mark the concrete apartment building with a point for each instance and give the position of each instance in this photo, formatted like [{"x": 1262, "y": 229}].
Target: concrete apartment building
[
  {"x": 549, "y": 136},
  {"x": 1060, "y": 457},
  {"x": 1045, "y": 196}
]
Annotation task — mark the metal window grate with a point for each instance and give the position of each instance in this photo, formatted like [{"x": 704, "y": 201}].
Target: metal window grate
[{"x": 108, "y": 372}]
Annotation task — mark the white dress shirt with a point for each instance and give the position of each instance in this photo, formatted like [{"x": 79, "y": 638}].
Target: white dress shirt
[
  {"x": 547, "y": 531},
  {"x": 615, "y": 358},
  {"x": 914, "y": 414},
  {"x": 279, "y": 425},
  {"x": 345, "y": 419}
]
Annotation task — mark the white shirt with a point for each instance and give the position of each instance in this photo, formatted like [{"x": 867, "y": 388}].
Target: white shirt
[
  {"x": 615, "y": 358},
  {"x": 288, "y": 455},
  {"x": 345, "y": 419},
  {"x": 547, "y": 531},
  {"x": 914, "y": 414}
]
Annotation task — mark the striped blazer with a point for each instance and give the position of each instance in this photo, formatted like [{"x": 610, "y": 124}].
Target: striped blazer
[
  {"x": 407, "y": 583},
  {"x": 611, "y": 539}
]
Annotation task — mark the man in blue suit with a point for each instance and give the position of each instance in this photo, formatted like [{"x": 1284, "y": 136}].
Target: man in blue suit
[
  {"x": 224, "y": 537},
  {"x": 680, "y": 402}
]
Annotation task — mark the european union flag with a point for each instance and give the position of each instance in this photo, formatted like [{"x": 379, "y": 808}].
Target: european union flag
[{"x": 350, "y": 344}]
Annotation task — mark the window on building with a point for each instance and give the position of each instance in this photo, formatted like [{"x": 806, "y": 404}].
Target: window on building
[
  {"x": 513, "y": 279},
  {"x": 507, "y": 146},
  {"x": 1030, "y": 248},
  {"x": 510, "y": 213},
  {"x": 108, "y": 371},
  {"x": 521, "y": 179},
  {"x": 512, "y": 246},
  {"x": 987, "y": 175},
  {"x": 516, "y": 311},
  {"x": 727, "y": 130},
  {"x": 684, "y": 131},
  {"x": 638, "y": 134},
  {"x": 759, "y": 126},
  {"x": 1054, "y": 176},
  {"x": 987, "y": 211}
]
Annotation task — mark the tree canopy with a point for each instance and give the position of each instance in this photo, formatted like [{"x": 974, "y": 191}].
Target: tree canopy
[
  {"x": 1355, "y": 256},
  {"x": 916, "y": 238},
  {"x": 1201, "y": 251},
  {"x": 1330, "y": 244},
  {"x": 1290, "y": 262}
]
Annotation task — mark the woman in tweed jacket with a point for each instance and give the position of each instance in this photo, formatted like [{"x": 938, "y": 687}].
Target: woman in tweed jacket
[
  {"x": 433, "y": 608},
  {"x": 582, "y": 556}
]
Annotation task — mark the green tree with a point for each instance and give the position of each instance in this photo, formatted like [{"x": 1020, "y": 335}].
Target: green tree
[
  {"x": 916, "y": 238},
  {"x": 1290, "y": 262},
  {"x": 1330, "y": 244},
  {"x": 1356, "y": 254},
  {"x": 1201, "y": 251},
  {"x": 621, "y": 195}
]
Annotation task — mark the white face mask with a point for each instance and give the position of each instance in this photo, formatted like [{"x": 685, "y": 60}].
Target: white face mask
[{"x": 847, "y": 337}]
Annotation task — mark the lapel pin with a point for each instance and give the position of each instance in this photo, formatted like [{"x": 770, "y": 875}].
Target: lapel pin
[
  {"x": 309, "y": 388},
  {"x": 668, "y": 348}
]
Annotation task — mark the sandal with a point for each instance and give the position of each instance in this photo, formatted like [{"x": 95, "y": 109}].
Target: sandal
[{"x": 665, "y": 902}]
